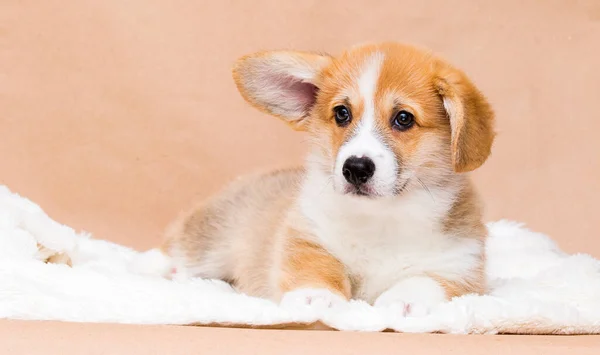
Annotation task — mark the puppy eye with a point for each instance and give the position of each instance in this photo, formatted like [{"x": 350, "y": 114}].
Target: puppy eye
[
  {"x": 403, "y": 120},
  {"x": 342, "y": 115}
]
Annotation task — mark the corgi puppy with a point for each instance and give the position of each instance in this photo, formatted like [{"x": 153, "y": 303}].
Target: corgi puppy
[{"x": 382, "y": 211}]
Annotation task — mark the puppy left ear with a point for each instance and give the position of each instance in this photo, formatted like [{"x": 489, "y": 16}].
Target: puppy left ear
[
  {"x": 281, "y": 83},
  {"x": 471, "y": 118}
]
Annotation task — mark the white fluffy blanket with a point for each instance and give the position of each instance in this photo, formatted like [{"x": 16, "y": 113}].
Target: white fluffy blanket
[{"x": 536, "y": 288}]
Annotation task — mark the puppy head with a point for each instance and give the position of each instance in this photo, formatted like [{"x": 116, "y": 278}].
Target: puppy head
[{"x": 385, "y": 118}]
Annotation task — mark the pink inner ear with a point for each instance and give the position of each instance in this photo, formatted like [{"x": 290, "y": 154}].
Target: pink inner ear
[
  {"x": 305, "y": 93},
  {"x": 296, "y": 94}
]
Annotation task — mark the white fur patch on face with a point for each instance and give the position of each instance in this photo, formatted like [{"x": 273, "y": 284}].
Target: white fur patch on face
[{"x": 366, "y": 142}]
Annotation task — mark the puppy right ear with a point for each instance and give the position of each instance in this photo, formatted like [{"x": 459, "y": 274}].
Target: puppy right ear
[
  {"x": 471, "y": 118},
  {"x": 281, "y": 83}
]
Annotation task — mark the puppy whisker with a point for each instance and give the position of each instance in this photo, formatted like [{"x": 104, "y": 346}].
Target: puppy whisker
[{"x": 425, "y": 187}]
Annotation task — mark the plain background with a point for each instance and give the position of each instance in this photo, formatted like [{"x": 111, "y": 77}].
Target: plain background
[{"x": 114, "y": 115}]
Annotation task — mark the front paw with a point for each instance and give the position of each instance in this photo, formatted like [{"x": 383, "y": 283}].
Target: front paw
[
  {"x": 311, "y": 297},
  {"x": 413, "y": 297}
]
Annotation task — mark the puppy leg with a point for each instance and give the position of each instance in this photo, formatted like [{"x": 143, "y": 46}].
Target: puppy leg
[
  {"x": 193, "y": 245},
  {"x": 455, "y": 288},
  {"x": 310, "y": 276},
  {"x": 416, "y": 296}
]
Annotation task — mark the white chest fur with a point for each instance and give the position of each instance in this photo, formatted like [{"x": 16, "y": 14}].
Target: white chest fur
[{"x": 383, "y": 241}]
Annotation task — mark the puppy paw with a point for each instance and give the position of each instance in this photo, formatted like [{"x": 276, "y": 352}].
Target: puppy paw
[
  {"x": 311, "y": 297},
  {"x": 413, "y": 297},
  {"x": 404, "y": 308}
]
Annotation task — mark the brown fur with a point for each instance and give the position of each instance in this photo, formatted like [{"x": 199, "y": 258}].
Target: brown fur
[
  {"x": 237, "y": 229},
  {"x": 465, "y": 218},
  {"x": 307, "y": 264},
  {"x": 455, "y": 288},
  {"x": 416, "y": 81},
  {"x": 471, "y": 117},
  {"x": 50, "y": 256}
]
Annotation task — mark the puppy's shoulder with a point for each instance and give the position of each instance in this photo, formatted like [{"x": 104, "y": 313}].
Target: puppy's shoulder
[{"x": 465, "y": 216}]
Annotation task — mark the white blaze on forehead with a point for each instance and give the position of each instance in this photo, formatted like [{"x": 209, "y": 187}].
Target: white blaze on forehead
[
  {"x": 367, "y": 86},
  {"x": 366, "y": 141}
]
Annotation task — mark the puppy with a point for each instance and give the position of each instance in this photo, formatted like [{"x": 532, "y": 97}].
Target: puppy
[{"x": 383, "y": 209}]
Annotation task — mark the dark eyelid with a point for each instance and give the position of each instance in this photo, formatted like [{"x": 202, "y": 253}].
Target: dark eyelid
[
  {"x": 399, "y": 107},
  {"x": 344, "y": 102}
]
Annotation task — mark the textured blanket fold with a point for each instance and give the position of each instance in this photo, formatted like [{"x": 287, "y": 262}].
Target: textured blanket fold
[{"x": 50, "y": 272}]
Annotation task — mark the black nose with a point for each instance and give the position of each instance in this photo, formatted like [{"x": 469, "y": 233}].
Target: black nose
[{"x": 358, "y": 170}]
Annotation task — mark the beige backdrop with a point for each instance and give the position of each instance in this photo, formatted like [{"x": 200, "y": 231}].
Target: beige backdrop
[{"x": 115, "y": 114}]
